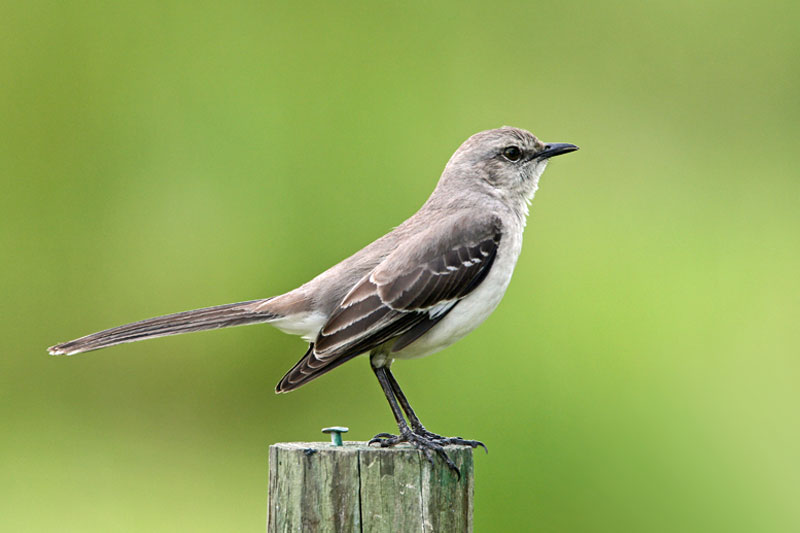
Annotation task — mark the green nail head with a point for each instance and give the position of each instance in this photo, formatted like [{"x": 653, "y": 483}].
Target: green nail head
[{"x": 336, "y": 434}]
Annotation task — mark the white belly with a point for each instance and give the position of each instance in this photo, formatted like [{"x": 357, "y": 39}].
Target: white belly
[
  {"x": 476, "y": 307},
  {"x": 467, "y": 315}
]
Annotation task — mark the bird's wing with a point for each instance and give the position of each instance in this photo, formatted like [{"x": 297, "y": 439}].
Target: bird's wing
[{"x": 404, "y": 296}]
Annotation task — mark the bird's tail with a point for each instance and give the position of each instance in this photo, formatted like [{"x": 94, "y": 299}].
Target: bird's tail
[{"x": 220, "y": 316}]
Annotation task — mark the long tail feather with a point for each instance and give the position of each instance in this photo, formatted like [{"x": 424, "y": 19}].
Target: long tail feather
[{"x": 220, "y": 316}]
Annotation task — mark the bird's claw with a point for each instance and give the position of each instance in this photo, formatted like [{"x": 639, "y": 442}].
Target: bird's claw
[
  {"x": 428, "y": 443},
  {"x": 380, "y": 437},
  {"x": 446, "y": 441}
]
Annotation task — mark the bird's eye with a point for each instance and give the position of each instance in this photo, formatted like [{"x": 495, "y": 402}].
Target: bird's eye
[{"x": 512, "y": 153}]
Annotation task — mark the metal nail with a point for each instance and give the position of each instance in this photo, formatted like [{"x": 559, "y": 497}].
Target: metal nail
[{"x": 336, "y": 434}]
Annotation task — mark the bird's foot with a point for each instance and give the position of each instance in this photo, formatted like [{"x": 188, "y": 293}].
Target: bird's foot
[
  {"x": 430, "y": 444},
  {"x": 445, "y": 441}
]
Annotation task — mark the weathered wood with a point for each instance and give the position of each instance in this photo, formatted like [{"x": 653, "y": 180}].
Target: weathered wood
[{"x": 318, "y": 487}]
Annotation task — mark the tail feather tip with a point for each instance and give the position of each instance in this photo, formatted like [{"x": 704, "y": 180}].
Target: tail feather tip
[{"x": 58, "y": 350}]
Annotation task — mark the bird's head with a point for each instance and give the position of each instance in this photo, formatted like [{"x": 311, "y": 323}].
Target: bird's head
[{"x": 504, "y": 162}]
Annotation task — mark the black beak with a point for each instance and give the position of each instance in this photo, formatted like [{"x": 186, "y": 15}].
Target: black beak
[{"x": 554, "y": 149}]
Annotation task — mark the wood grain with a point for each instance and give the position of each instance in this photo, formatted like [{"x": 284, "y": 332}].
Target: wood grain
[{"x": 318, "y": 487}]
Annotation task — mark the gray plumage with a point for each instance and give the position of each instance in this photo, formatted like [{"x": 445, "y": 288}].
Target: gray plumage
[{"x": 412, "y": 292}]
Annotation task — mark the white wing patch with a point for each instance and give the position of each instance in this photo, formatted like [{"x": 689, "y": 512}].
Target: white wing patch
[{"x": 441, "y": 308}]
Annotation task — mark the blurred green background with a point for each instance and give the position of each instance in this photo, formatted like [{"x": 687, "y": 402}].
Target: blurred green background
[{"x": 642, "y": 372}]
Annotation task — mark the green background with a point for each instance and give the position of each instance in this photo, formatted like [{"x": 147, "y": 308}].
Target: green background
[{"x": 642, "y": 372}]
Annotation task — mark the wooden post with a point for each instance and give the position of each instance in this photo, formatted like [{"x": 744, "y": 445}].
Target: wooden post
[{"x": 319, "y": 487}]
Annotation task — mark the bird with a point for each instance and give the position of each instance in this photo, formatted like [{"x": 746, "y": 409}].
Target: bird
[{"x": 418, "y": 289}]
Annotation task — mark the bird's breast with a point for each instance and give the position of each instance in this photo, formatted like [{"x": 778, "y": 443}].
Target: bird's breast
[{"x": 473, "y": 309}]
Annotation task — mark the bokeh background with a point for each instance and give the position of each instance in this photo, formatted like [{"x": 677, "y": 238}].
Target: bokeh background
[{"x": 642, "y": 372}]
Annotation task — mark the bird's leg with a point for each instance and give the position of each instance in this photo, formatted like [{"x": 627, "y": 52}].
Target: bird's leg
[
  {"x": 413, "y": 419},
  {"x": 426, "y": 445},
  {"x": 417, "y": 426}
]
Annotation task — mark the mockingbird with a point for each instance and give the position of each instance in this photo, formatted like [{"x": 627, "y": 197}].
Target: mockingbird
[{"x": 412, "y": 292}]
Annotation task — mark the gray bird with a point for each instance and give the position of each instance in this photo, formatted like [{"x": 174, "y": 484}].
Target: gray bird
[{"x": 412, "y": 292}]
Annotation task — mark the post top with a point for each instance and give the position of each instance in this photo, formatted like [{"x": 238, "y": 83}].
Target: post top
[{"x": 354, "y": 446}]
